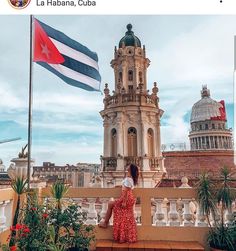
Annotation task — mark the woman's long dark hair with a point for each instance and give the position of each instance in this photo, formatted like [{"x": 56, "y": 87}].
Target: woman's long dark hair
[{"x": 134, "y": 173}]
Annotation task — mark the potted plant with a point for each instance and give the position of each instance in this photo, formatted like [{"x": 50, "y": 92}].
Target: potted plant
[{"x": 214, "y": 198}]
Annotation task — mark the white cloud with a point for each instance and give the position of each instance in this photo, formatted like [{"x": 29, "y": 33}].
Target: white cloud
[{"x": 9, "y": 99}]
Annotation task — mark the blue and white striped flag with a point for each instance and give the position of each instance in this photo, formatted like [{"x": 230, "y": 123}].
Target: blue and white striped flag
[{"x": 65, "y": 57}]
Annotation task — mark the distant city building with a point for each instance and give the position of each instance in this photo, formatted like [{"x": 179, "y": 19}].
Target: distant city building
[
  {"x": 131, "y": 117},
  {"x": 208, "y": 124},
  {"x": 80, "y": 175}
]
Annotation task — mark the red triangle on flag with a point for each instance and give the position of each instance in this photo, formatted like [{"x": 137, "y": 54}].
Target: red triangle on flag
[{"x": 44, "y": 48}]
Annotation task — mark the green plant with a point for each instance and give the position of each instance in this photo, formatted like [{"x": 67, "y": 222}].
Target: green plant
[
  {"x": 71, "y": 228},
  {"x": 35, "y": 217},
  {"x": 215, "y": 197},
  {"x": 58, "y": 191},
  {"x": 206, "y": 196},
  {"x": 52, "y": 246},
  {"x": 19, "y": 187}
]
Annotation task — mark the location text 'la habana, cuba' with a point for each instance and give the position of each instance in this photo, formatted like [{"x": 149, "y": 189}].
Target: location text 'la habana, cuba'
[{"x": 65, "y": 3}]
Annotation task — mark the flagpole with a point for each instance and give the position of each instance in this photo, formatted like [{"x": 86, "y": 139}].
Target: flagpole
[{"x": 30, "y": 101}]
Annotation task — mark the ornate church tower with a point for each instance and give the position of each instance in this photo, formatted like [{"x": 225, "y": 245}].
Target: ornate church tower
[{"x": 131, "y": 117}]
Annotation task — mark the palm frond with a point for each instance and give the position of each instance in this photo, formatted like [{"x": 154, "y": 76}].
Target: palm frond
[{"x": 19, "y": 185}]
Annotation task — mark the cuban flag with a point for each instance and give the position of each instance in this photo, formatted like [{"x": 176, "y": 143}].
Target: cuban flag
[{"x": 68, "y": 59}]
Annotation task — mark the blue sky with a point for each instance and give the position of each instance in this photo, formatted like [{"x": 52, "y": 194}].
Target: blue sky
[{"x": 185, "y": 52}]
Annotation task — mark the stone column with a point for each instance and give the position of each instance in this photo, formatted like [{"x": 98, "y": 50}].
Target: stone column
[
  {"x": 120, "y": 146},
  {"x": 136, "y": 75},
  {"x": 124, "y": 76},
  {"x": 106, "y": 145},
  {"x": 210, "y": 146},
  {"x": 145, "y": 148}
]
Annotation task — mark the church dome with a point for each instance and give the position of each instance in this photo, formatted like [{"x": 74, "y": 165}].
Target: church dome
[
  {"x": 207, "y": 108},
  {"x": 129, "y": 39}
]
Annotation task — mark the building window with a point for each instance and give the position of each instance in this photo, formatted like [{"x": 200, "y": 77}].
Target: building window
[
  {"x": 140, "y": 75},
  {"x": 200, "y": 126},
  {"x": 130, "y": 88},
  {"x": 132, "y": 142},
  {"x": 150, "y": 139},
  {"x": 213, "y": 126},
  {"x": 130, "y": 75},
  {"x": 113, "y": 143},
  {"x": 206, "y": 126},
  {"x": 120, "y": 77}
]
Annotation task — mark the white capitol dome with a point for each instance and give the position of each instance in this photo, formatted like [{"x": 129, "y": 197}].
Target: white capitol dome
[{"x": 205, "y": 108}]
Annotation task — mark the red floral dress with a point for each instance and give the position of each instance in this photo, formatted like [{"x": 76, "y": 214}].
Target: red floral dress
[{"x": 124, "y": 224}]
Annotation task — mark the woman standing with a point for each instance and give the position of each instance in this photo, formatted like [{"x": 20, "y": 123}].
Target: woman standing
[{"x": 124, "y": 224}]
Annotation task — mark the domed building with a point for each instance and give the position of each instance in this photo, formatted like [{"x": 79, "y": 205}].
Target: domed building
[
  {"x": 208, "y": 124},
  {"x": 210, "y": 141}
]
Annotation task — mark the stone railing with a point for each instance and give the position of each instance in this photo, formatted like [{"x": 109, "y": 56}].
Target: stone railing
[
  {"x": 6, "y": 203},
  {"x": 137, "y": 98},
  {"x": 154, "y": 163},
  {"x": 109, "y": 163},
  {"x": 161, "y": 213},
  {"x": 133, "y": 160}
]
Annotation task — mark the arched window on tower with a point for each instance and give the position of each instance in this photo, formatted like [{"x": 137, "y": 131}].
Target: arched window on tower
[
  {"x": 130, "y": 75},
  {"x": 120, "y": 77},
  {"x": 113, "y": 143},
  {"x": 150, "y": 139},
  {"x": 132, "y": 142},
  {"x": 140, "y": 76}
]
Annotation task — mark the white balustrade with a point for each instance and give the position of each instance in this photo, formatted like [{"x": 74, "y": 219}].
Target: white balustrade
[
  {"x": 5, "y": 214},
  {"x": 187, "y": 215},
  {"x": 229, "y": 217},
  {"x": 173, "y": 214},
  {"x": 159, "y": 215},
  {"x": 2, "y": 216},
  {"x": 92, "y": 216},
  {"x": 201, "y": 218},
  {"x": 104, "y": 202}
]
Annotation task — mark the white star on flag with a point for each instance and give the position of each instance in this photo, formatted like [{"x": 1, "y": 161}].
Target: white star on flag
[{"x": 45, "y": 50}]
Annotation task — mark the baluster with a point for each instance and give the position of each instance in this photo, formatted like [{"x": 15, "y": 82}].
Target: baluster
[
  {"x": 159, "y": 215},
  {"x": 188, "y": 217},
  {"x": 138, "y": 218},
  {"x": 201, "y": 218},
  {"x": 173, "y": 214},
  {"x": 3, "y": 218},
  {"x": 229, "y": 217},
  {"x": 165, "y": 209},
  {"x": 104, "y": 207},
  {"x": 92, "y": 217}
]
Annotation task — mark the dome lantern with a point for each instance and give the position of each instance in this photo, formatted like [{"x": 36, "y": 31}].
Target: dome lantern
[{"x": 129, "y": 39}]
